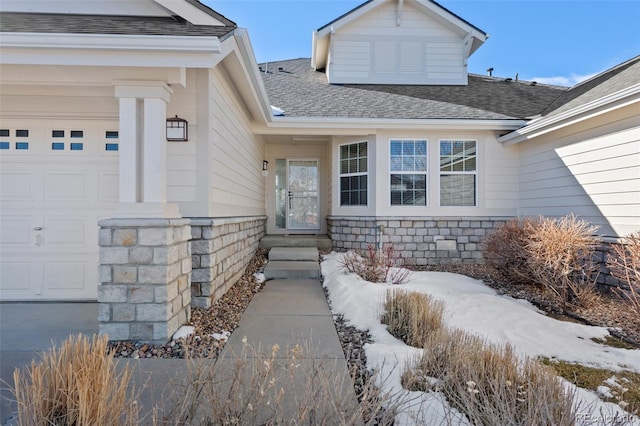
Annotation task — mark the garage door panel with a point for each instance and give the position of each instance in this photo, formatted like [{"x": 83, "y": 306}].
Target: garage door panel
[
  {"x": 15, "y": 231},
  {"x": 64, "y": 275},
  {"x": 17, "y": 186},
  {"x": 67, "y": 230},
  {"x": 70, "y": 277},
  {"x": 65, "y": 186},
  {"x": 108, "y": 182},
  {"x": 18, "y": 278}
]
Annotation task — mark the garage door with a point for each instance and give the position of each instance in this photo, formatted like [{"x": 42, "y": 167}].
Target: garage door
[{"x": 57, "y": 180}]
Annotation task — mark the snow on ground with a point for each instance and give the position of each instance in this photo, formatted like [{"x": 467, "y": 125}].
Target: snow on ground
[{"x": 472, "y": 306}]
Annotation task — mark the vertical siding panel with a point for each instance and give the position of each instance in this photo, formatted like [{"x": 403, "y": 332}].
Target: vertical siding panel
[{"x": 375, "y": 50}]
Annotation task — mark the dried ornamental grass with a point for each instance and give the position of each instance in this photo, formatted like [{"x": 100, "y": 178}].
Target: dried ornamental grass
[
  {"x": 561, "y": 257},
  {"x": 254, "y": 388},
  {"x": 412, "y": 316},
  {"x": 76, "y": 384},
  {"x": 488, "y": 383},
  {"x": 505, "y": 250}
]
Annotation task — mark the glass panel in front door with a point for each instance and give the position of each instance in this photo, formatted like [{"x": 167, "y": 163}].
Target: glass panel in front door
[{"x": 302, "y": 196}]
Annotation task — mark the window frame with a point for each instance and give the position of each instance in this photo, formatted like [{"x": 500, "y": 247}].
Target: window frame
[
  {"x": 352, "y": 174},
  {"x": 458, "y": 173},
  {"x": 413, "y": 172}
]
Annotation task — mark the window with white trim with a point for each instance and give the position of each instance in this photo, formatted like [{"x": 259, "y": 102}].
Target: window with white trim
[
  {"x": 354, "y": 174},
  {"x": 408, "y": 172},
  {"x": 458, "y": 173}
]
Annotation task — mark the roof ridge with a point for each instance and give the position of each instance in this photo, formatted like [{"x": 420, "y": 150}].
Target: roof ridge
[{"x": 523, "y": 81}]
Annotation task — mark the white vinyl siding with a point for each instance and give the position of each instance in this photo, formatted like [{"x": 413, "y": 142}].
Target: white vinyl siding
[
  {"x": 375, "y": 50},
  {"x": 595, "y": 177},
  {"x": 236, "y": 155}
]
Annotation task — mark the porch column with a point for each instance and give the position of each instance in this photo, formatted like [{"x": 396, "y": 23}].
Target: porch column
[
  {"x": 128, "y": 151},
  {"x": 143, "y": 150}
]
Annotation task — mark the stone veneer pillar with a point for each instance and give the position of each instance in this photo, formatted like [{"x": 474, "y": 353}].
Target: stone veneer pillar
[{"x": 145, "y": 278}]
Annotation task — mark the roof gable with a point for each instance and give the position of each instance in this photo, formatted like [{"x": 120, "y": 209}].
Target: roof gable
[{"x": 435, "y": 12}]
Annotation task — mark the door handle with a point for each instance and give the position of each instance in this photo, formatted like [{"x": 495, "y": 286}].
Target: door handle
[
  {"x": 290, "y": 197},
  {"x": 38, "y": 228}
]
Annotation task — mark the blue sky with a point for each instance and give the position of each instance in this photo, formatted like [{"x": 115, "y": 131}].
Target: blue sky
[{"x": 550, "y": 41}]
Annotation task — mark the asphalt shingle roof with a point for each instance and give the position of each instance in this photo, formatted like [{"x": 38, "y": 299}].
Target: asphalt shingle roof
[
  {"x": 617, "y": 78},
  {"x": 302, "y": 92},
  {"x": 109, "y": 24}
]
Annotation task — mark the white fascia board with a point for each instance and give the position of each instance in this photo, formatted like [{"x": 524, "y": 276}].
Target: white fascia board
[
  {"x": 453, "y": 20},
  {"x": 252, "y": 72},
  {"x": 190, "y": 12},
  {"x": 107, "y": 49},
  {"x": 541, "y": 126},
  {"x": 350, "y": 126},
  {"x": 320, "y": 43},
  {"x": 349, "y": 18}
]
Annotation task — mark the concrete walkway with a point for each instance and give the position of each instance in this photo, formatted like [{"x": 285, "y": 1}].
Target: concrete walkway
[
  {"x": 310, "y": 367},
  {"x": 291, "y": 313}
]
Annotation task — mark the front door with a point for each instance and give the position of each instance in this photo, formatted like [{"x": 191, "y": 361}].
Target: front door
[{"x": 302, "y": 196}]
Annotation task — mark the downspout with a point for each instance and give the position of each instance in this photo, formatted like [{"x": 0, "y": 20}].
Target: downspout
[{"x": 399, "y": 13}]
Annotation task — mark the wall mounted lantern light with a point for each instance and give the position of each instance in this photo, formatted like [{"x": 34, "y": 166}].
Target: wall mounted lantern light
[
  {"x": 177, "y": 129},
  {"x": 265, "y": 168}
]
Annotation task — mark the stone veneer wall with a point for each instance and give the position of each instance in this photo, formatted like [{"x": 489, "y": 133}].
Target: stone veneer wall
[
  {"x": 603, "y": 251},
  {"x": 145, "y": 265},
  {"x": 419, "y": 240},
  {"x": 221, "y": 248}
]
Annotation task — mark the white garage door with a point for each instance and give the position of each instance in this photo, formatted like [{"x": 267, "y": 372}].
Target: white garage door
[{"x": 57, "y": 180}]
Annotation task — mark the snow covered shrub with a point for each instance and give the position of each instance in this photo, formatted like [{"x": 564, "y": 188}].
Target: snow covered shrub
[
  {"x": 624, "y": 264},
  {"x": 506, "y": 250},
  {"x": 412, "y": 316},
  {"x": 561, "y": 257},
  {"x": 376, "y": 265},
  {"x": 488, "y": 383},
  {"x": 76, "y": 384}
]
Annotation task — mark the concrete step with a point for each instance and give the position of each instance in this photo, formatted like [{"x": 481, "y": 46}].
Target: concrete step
[
  {"x": 308, "y": 254},
  {"x": 318, "y": 241},
  {"x": 283, "y": 269}
]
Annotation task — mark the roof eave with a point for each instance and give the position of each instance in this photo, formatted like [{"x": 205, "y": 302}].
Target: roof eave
[
  {"x": 262, "y": 107},
  {"x": 133, "y": 50},
  {"x": 352, "y": 126}
]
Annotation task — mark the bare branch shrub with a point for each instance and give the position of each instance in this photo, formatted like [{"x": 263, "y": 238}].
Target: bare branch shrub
[
  {"x": 376, "y": 266},
  {"x": 561, "y": 257},
  {"x": 506, "y": 250},
  {"x": 254, "y": 388},
  {"x": 412, "y": 316},
  {"x": 624, "y": 264},
  {"x": 488, "y": 383},
  {"x": 76, "y": 384}
]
